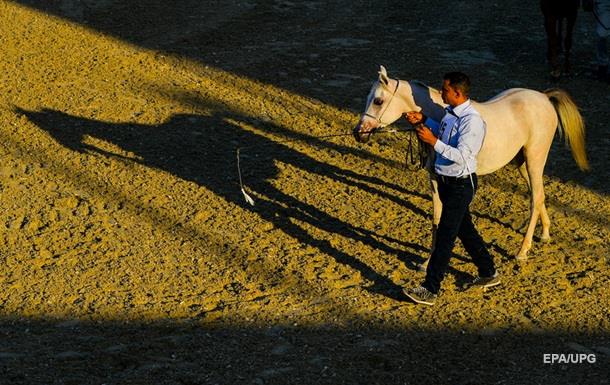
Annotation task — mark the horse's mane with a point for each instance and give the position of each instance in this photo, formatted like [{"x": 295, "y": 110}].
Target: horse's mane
[
  {"x": 422, "y": 84},
  {"x": 423, "y": 96},
  {"x": 411, "y": 82}
]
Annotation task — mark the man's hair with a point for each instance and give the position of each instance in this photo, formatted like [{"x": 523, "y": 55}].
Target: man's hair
[{"x": 459, "y": 81}]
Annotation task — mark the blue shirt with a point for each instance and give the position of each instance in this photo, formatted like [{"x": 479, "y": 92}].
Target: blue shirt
[{"x": 460, "y": 136}]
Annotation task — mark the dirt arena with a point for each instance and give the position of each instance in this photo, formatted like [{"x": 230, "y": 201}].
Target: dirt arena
[{"x": 129, "y": 255}]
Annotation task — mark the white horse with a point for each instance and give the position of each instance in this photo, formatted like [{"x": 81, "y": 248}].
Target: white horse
[{"x": 521, "y": 124}]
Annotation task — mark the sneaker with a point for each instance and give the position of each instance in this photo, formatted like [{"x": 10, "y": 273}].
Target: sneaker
[
  {"x": 484, "y": 282},
  {"x": 422, "y": 266},
  {"x": 421, "y": 295}
]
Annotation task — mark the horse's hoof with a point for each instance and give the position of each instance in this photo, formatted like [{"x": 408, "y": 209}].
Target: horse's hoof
[
  {"x": 545, "y": 239},
  {"x": 521, "y": 258},
  {"x": 555, "y": 74},
  {"x": 421, "y": 267}
]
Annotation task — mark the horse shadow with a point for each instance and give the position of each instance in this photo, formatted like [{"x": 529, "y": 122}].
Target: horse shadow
[{"x": 202, "y": 149}]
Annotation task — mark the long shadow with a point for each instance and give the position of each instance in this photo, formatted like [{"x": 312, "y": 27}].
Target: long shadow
[
  {"x": 286, "y": 133},
  {"x": 183, "y": 147},
  {"x": 68, "y": 351}
]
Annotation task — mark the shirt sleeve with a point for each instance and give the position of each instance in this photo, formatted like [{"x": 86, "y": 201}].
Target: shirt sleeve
[
  {"x": 432, "y": 125},
  {"x": 470, "y": 131}
]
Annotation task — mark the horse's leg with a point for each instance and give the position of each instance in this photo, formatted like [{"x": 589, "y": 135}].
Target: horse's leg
[
  {"x": 544, "y": 216},
  {"x": 571, "y": 20},
  {"x": 437, "y": 208},
  {"x": 437, "y": 205},
  {"x": 546, "y": 223},
  {"x": 535, "y": 167},
  {"x": 553, "y": 42}
]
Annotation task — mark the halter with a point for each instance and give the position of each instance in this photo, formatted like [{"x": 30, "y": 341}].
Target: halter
[{"x": 378, "y": 119}]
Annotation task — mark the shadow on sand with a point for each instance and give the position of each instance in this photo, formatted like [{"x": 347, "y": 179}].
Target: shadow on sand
[
  {"x": 183, "y": 147},
  {"x": 69, "y": 351}
]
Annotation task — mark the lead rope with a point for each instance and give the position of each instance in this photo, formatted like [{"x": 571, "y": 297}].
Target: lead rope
[
  {"x": 422, "y": 151},
  {"x": 409, "y": 152}
]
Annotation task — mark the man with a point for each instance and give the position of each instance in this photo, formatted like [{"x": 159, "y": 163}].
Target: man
[{"x": 456, "y": 141}]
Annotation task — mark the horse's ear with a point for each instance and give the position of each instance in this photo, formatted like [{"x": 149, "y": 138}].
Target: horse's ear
[{"x": 383, "y": 75}]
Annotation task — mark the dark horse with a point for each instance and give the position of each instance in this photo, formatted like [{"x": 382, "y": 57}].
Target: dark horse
[{"x": 555, "y": 12}]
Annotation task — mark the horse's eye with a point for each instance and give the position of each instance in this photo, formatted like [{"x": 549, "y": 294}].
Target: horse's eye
[{"x": 378, "y": 101}]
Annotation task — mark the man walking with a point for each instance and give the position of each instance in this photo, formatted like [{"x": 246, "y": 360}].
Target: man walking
[{"x": 457, "y": 140}]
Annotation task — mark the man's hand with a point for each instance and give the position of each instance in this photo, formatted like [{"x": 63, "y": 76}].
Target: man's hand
[
  {"x": 415, "y": 117},
  {"x": 426, "y": 135}
]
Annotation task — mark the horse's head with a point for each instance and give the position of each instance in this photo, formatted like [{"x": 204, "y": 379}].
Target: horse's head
[{"x": 382, "y": 108}]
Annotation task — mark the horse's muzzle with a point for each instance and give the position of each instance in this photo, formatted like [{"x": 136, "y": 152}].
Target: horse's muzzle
[{"x": 361, "y": 134}]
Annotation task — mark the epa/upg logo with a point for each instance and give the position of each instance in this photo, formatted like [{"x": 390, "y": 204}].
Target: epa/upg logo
[{"x": 575, "y": 358}]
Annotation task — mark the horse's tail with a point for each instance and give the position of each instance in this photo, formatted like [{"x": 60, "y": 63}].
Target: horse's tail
[{"x": 571, "y": 124}]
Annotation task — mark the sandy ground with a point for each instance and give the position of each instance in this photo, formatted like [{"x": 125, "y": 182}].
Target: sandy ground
[{"x": 129, "y": 256}]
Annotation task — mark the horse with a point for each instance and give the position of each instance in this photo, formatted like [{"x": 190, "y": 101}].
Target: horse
[{"x": 521, "y": 125}]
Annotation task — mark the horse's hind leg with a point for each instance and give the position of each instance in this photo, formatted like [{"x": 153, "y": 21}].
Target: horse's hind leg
[
  {"x": 535, "y": 166},
  {"x": 544, "y": 216}
]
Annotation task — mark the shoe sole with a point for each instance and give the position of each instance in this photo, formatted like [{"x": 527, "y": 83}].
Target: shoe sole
[
  {"x": 468, "y": 286},
  {"x": 416, "y": 300},
  {"x": 491, "y": 284}
]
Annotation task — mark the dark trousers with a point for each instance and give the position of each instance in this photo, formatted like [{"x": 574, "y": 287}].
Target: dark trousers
[{"x": 456, "y": 222}]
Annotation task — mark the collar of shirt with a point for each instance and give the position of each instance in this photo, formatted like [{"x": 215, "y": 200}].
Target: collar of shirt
[{"x": 458, "y": 110}]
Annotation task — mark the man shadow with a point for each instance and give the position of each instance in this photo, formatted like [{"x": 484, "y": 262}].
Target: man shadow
[{"x": 202, "y": 149}]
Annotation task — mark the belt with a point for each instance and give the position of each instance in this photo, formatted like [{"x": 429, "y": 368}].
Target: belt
[{"x": 452, "y": 179}]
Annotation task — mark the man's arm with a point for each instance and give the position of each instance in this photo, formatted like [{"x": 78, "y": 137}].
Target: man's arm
[
  {"x": 471, "y": 134},
  {"x": 417, "y": 118}
]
